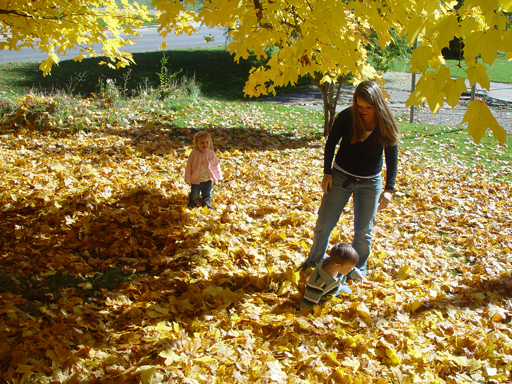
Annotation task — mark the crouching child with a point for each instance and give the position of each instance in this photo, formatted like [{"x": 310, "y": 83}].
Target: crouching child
[{"x": 329, "y": 278}]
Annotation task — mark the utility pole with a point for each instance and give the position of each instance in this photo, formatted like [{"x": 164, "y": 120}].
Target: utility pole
[{"x": 413, "y": 86}]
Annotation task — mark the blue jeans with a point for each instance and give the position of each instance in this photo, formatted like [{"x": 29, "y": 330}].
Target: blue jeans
[
  {"x": 205, "y": 189},
  {"x": 366, "y": 193}
]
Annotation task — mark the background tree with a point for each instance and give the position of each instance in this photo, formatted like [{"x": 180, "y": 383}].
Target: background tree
[
  {"x": 382, "y": 58},
  {"x": 54, "y": 26}
]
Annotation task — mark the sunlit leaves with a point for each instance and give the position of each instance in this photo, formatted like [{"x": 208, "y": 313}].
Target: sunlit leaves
[
  {"x": 481, "y": 25},
  {"x": 430, "y": 87},
  {"x": 506, "y": 4},
  {"x": 479, "y": 118},
  {"x": 420, "y": 59},
  {"x": 477, "y": 75},
  {"x": 55, "y": 26},
  {"x": 212, "y": 295},
  {"x": 484, "y": 43},
  {"x": 453, "y": 89}
]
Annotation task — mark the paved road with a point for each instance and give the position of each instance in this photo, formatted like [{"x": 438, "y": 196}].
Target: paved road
[{"x": 150, "y": 41}]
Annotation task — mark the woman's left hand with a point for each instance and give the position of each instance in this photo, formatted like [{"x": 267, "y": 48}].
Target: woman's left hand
[{"x": 384, "y": 199}]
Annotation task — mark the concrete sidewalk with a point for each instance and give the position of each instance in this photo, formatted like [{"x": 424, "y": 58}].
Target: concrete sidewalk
[{"x": 398, "y": 86}]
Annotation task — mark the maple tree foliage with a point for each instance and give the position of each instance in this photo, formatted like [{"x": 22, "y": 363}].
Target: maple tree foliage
[
  {"x": 484, "y": 28},
  {"x": 54, "y": 26},
  {"x": 326, "y": 40},
  {"x": 213, "y": 295}
]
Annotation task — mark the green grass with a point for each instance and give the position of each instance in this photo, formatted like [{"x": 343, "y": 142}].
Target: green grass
[
  {"x": 445, "y": 145},
  {"x": 400, "y": 64},
  {"x": 500, "y": 71},
  {"x": 214, "y": 68}
]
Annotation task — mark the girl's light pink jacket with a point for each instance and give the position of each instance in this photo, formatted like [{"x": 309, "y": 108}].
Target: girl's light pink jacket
[{"x": 193, "y": 169}]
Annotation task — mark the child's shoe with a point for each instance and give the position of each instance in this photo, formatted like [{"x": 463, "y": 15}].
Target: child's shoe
[{"x": 346, "y": 289}]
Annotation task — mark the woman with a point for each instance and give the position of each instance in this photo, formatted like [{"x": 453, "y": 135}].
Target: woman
[{"x": 367, "y": 129}]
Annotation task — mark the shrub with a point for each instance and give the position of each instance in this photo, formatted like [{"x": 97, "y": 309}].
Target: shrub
[{"x": 382, "y": 58}]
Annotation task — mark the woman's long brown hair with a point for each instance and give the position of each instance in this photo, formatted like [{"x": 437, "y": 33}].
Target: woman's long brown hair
[{"x": 370, "y": 92}]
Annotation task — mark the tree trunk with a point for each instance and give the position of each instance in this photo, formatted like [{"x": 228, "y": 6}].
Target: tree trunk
[{"x": 330, "y": 95}]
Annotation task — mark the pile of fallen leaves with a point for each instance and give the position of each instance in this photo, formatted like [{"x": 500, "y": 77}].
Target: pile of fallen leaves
[{"x": 212, "y": 296}]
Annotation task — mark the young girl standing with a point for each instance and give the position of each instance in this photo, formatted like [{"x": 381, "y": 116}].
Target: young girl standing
[{"x": 202, "y": 170}]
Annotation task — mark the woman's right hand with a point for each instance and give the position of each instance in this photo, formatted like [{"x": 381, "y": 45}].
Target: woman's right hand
[{"x": 326, "y": 183}]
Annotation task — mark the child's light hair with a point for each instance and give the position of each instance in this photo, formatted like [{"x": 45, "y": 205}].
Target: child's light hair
[
  {"x": 342, "y": 253},
  {"x": 200, "y": 134}
]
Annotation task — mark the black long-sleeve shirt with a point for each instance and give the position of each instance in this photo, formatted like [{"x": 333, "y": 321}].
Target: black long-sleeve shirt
[{"x": 363, "y": 158}]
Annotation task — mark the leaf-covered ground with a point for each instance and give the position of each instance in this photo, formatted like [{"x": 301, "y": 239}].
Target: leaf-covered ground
[{"x": 107, "y": 277}]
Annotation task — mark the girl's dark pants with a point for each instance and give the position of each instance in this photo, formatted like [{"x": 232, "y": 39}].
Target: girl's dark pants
[{"x": 203, "y": 188}]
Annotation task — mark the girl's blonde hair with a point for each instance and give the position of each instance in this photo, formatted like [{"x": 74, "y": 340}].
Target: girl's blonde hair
[
  {"x": 200, "y": 134},
  {"x": 370, "y": 92}
]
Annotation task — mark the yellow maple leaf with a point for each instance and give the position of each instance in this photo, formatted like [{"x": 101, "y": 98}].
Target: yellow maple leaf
[
  {"x": 448, "y": 27},
  {"x": 497, "y": 313},
  {"x": 506, "y": 5},
  {"x": 420, "y": 58},
  {"x": 404, "y": 272},
  {"x": 85, "y": 286},
  {"x": 416, "y": 305},
  {"x": 453, "y": 89},
  {"x": 285, "y": 287},
  {"x": 392, "y": 355},
  {"x": 333, "y": 356},
  {"x": 363, "y": 311},
  {"x": 46, "y": 66},
  {"x": 205, "y": 359},
  {"x": 147, "y": 373},
  {"x": 162, "y": 326},
  {"x": 292, "y": 276},
  {"x": 326, "y": 78},
  {"x": 413, "y": 30},
  {"x": 477, "y": 74},
  {"x": 414, "y": 353},
  {"x": 479, "y": 118},
  {"x": 351, "y": 363},
  {"x": 430, "y": 88},
  {"x": 170, "y": 356},
  {"x": 484, "y": 43},
  {"x": 434, "y": 95}
]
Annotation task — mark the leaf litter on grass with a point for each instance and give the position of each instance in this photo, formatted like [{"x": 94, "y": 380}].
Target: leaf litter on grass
[{"x": 205, "y": 296}]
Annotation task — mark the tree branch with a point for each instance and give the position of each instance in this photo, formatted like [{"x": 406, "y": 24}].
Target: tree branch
[
  {"x": 259, "y": 14},
  {"x": 16, "y": 13}
]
